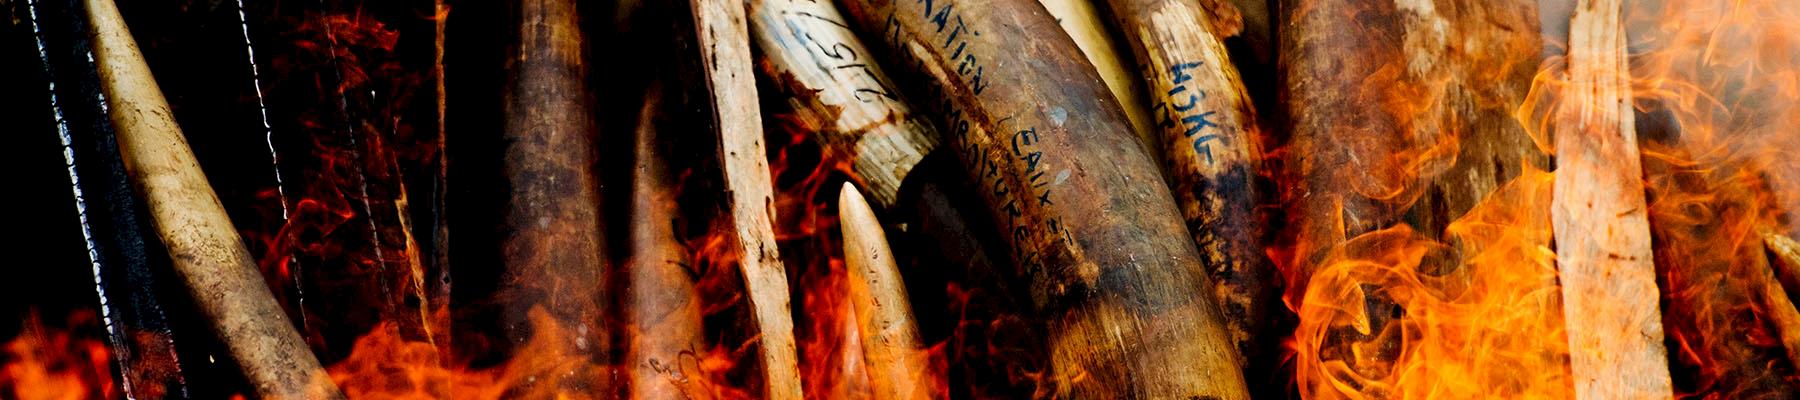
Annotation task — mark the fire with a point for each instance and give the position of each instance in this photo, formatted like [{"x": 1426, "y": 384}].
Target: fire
[
  {"x": 1482, "y": 315},
  {"x": 386, "y": 364},
  {"x": 342, "y": 132},
  {"x": 1479, "y": 314},
  {"x": 1394, "y": 310},
  {"x": 1718, "y": 83},
  {"x": 1420, "y": 264},
  {"x": 825, "y": 328},
  {"x": 51, "y": 363}
]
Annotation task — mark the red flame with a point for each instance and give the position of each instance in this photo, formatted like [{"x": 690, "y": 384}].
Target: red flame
[
  {"x": 347, "y": 227},
  {"x": 825, "y": 330},
  {"x": 57, "y": 363}
]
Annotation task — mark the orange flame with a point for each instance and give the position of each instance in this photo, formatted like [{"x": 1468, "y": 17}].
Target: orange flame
[
  {"x": 1385, "y": 310},
  {"x": 388, "y": 364},
  {"x": 830, "y": 355},
  {"x": 807, "y": 174},
  {"x": 1720, "y": 84},
  {"x": 1482, "y": 315},
  {"x": 385, "y": 365},
  {"x": 44, "y": 363},
  {"x": 1715, "y": 85}
]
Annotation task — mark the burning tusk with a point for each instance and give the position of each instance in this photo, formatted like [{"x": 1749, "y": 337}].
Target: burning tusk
[
  {"x": 1431, "y": 92},
  {"x": 1777, "y": 288},
  {"x": 1767, "y": 282},
  {"x": 1083, "y": 206},
  {"x": 1600, "y": 220},
  {"x": 552, "y": 243},
  {"x": 866, "y": 116},
  {"x": 661, "y": 304},
  {"x": 1786, "y": 260},
  {"x": 1210, "y": 150},
  {"x": 721, "y": 34},
  {"x": 890, "y": 338},
  {"x": 208, "y": 254},
  {"x": 815, "y": 56}
]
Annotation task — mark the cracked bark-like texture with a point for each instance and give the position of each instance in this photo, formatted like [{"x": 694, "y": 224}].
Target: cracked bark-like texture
[
  {"x": 721, "y": 35},
  {"x": 1600, "y": 220}
]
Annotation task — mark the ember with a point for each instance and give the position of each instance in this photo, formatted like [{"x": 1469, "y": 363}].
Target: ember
[{"x": 787, "y": 199}]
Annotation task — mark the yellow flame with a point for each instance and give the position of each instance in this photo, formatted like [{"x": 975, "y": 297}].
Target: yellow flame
[{"x": 1488, "y": 327}]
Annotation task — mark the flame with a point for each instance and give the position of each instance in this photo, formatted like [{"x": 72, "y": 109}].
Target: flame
[
  {"x": 806, "y": 175},
  {"x": 339, "y": 91},
  {"x": 990, "y": 343},
  {"x": 1482, "y": 315},
  {"x": 50, "y": 363},
  {"x": 1426, "y": 75},
  {"x": 344, "y": 131},
  {"x": 386, "y": 365},
  {"x": 1719, "y": 83},
  {"x": 1715, "y": 88},
  {"x": 830, "y": 356},
  {"x": 725, "y": 363},
  {"x": 1474, "y": 313},
  {"x": 996, "y": 351},
  {"x": 1387, "y": 310}
]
